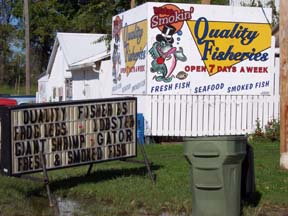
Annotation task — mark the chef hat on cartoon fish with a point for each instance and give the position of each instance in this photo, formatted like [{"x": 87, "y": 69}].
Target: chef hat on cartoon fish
[{"x": 167, "y": 34}]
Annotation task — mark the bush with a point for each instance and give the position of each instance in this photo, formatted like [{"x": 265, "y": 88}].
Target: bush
[
  {"x": 258, "y": 131},
  {"x": 271, "y": 132}
]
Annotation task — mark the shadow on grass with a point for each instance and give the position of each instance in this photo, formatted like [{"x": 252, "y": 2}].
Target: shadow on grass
[
  {"x": 101, "y": 175},
  {"x": 93, "y": 177},
  {"x": 38, "y": 200},
  {"x": 252, "y": 200},
  {"x": 250, "y": 197}
]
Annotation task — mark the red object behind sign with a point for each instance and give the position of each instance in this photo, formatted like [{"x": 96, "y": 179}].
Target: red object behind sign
[{"x": 7, "y": 102}]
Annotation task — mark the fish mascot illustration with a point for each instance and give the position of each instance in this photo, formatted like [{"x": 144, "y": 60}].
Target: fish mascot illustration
[{"x": 165, "y": 55}]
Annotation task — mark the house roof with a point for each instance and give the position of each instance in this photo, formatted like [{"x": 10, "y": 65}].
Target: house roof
[
  {"x": 88, "y": 62},
  {"x": 79, "y": 49}
]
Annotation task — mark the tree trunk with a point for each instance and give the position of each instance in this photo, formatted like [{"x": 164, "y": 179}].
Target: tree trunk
[
  {"x": 1, "y": 66},
  {"x": 27, "y": 46}
]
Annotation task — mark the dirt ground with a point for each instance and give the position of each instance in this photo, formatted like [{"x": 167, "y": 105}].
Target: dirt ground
[{"x": 268, "y": 210}]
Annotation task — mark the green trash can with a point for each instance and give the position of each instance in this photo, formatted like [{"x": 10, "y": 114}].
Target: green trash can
[{"x": 215, "y": 164}]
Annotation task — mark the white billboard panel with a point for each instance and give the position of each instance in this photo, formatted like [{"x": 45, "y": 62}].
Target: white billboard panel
[{"x": 194, "y": 49}]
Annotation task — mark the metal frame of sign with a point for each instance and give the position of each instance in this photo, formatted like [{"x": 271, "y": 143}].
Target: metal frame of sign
[{"x": 77, "y": 122}]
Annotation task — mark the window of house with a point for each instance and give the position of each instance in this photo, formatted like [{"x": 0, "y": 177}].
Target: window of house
[{"x": 68, "y": 89}]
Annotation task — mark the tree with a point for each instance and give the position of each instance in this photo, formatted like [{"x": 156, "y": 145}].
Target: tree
[
  {"x": 50, "y": 16},
  {"x": 27, "y": 46},
  {"x": 6, "y": 32},
  {"x": 45, "y": 20},
  {"x": 93, "y": 17}
]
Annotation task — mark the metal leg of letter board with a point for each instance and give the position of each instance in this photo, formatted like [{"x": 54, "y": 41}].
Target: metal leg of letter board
[
  {"x": 146, "y": 162},
  {"x": 89, "y": 169},
  {"x": 46, "y": 179},
  {"x": 46, "y": 182}
]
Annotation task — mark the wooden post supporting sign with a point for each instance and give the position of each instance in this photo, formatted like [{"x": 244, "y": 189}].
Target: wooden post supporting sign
[
  {"x": 283, "y": 84},
  {"x": 205, "y": 1},
  {"x": 132, "y": 4}
]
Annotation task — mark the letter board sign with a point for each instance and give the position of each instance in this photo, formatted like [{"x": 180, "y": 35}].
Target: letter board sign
[{"x": 68, "y": 134}]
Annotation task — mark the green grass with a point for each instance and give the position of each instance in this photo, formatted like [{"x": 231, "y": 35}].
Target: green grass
[
  {"x": 5, "y": 89},
  {"x": 122, "y": 188},
  {"x": 270, "y": 179}
]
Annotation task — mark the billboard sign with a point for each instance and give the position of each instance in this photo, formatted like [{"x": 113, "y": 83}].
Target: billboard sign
[{"x": 197, "y": 49}]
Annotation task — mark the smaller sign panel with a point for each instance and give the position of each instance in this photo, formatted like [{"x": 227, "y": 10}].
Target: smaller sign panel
[
  {"x": 129, "y": 52},
  {"x": 72, "y": 134}
]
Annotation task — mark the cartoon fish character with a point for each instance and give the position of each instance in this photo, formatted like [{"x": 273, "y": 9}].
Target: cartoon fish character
[{"x": 165, "y": 59}]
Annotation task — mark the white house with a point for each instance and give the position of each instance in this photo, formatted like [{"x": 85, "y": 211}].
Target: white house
[{"x": 76, "y": 65}]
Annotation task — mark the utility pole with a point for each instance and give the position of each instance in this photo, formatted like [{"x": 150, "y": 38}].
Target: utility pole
[
  {"x": 283, "y": 34},
  {"x": 27, "y": 47}
]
